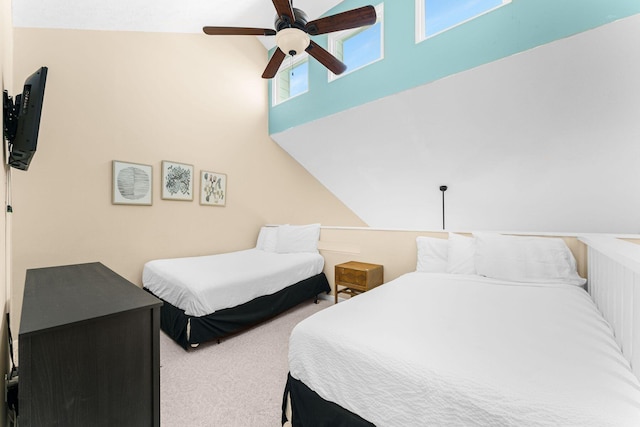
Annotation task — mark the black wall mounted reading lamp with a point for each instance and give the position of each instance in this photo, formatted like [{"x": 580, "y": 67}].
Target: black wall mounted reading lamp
[{"x": 443, "y": 188}]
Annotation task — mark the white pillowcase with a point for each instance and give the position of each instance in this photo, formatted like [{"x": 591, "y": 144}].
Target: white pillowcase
[
  {"x": 298, "y": 238},
  {"x": 432, "y": 254},
  {"x": 461, "y": 254},
  {"x": 267, "y": 239},
  {"x": 525, "y": 259}
]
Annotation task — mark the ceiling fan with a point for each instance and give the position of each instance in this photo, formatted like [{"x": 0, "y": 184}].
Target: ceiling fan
[{"x": 292, "y": 31}]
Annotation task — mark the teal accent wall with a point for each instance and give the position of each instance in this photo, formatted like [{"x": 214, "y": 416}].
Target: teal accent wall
[{"x": 513, "y": 28}]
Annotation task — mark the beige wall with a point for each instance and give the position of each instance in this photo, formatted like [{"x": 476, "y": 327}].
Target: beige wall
[
  {"x": 395, "y": 250},
  {"x": 144, "y": 98},
  {"x": 5, "y": 82}
]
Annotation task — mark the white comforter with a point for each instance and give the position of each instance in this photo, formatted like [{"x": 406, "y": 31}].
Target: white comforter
[
  {"x": 202, "y": 285},
  {"x": 452, "y": 350}
]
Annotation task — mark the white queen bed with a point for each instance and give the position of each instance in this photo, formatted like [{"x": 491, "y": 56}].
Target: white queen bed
[{"x": 463, "y": 349}]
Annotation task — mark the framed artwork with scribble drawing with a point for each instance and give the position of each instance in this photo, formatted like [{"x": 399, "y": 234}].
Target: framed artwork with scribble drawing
[{"x": 132, "y": 184}]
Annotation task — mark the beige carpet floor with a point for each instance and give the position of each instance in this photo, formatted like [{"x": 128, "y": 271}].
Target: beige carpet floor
[{"x": 238, "y": 383}]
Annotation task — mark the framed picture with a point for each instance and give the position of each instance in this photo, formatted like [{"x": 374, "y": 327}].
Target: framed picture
[
  {"x": 177, "y": 181},
  {"x": 213, "y": 188},
  {"x": 132, "y": 184}
]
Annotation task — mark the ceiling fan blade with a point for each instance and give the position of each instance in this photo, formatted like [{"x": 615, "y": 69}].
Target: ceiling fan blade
[
  {"x": 343, "y": 21},
  {"x": 274, "y": 64},
  {"x": 325, "y": 58},
  {"x": 238, "y": 31},
  {"x": 284, "y": 8}
]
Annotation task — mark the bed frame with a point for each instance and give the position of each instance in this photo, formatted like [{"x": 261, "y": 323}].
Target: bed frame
[
  {"x": 310, "y": 409},
  {"x": 189, "y": 331}
]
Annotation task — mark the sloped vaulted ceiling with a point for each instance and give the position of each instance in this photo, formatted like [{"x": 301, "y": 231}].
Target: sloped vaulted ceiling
[{"x": 544, "y": 140}]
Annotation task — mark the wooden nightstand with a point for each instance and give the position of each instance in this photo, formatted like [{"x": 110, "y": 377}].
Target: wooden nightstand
[{"x": 357, "y": 277}]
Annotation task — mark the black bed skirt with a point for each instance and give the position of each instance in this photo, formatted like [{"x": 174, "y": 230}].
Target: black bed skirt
[
  {"x": 225, "y": 322},
  {"x": 311, "y": 410}
]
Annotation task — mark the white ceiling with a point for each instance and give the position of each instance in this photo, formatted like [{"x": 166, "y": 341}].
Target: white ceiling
[{"x": 166, "y": 16}]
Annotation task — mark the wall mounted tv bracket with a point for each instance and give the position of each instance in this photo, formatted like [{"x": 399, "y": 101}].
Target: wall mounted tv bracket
[{"x": 10, "y": 111}]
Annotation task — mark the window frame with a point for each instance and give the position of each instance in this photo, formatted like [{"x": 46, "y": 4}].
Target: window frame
[
  {"x": 287, "y": 65},
  {"x": 341, "y": 36},
  {"x": 420, "y": 23}
]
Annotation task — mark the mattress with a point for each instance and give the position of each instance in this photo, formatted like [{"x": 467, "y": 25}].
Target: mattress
[
  {"x": 205, "y": 284},
  {"x": 438, "y": 349}
]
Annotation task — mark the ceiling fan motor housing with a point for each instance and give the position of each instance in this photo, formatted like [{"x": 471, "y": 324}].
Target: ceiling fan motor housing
[{"x": 300, "y": 21}]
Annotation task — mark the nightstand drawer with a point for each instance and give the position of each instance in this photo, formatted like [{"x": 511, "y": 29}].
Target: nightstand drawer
[{"x": 350, "y": 277}]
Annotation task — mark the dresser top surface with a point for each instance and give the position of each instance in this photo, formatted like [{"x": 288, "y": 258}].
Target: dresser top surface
[{"x": 59, "y": 296}]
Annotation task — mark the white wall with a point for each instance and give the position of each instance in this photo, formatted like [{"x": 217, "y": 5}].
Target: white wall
[{"x": 546, "y": 140}]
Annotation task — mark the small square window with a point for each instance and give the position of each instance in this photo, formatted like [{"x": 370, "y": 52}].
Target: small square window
[
  {"x": 358, "y": 47},
  {"x": 435, "y": 16},
  {"x": 292, "y": 79}
]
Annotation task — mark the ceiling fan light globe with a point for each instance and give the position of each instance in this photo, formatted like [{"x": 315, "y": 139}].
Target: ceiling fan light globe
[{"x": 292, "y": 40}]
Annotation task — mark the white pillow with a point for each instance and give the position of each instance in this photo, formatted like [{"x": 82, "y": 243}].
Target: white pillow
[
  {"x": 526, "y": 259},
  {"x": 461, "y": 254},
  {"x": 261, "y": 237},
  {"x": 432, "y": 254},
  {"x": 298, "y": 238},
  {"x": 267, "y": 239}
]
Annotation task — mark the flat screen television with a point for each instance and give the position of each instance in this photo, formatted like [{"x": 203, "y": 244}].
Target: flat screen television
[{"x": 22, "y": 120}]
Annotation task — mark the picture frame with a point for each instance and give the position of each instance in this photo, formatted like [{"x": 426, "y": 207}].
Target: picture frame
[
  {"x": 177, "y": 181},
  {"x": 131, "y": 183},
  {"x": 213, "y": 188}
]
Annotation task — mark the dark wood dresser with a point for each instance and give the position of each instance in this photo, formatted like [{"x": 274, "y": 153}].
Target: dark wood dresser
[{"x": 89, "y": 351}]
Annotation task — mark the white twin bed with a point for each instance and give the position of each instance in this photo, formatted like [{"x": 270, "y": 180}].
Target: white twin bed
[
  {"x": 205, "y": 284},
  {"x": 491, "y": 330},
  {"x": 212, "y": 296}
]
